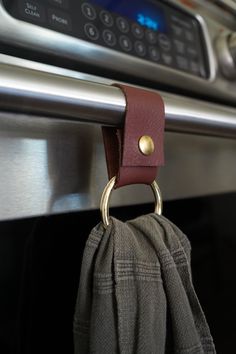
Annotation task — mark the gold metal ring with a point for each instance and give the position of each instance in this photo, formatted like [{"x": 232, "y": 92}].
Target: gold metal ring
[{"x": 104, "y": 204}]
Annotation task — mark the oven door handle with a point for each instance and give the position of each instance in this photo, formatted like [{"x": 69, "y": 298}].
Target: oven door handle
[{"x": 43, "y": 93}]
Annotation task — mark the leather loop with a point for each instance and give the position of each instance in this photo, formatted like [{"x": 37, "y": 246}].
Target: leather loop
[{"x": 144, "y": 116}]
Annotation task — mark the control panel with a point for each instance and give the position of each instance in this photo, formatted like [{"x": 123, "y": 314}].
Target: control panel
[{"x": 150, "y": 30}]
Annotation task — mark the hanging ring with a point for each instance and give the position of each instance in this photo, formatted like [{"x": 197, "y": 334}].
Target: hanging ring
[{"x": 104, "y": 204}]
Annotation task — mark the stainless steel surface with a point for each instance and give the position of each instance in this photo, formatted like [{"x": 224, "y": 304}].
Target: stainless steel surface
[
  {"x": 59, "y": 96},
  {"x": 210, "y": 9},
  {"x": 232, "y": 46},
  {"x": 23, "y": 89},
  {"x": 226, "y": 50},
  {"x": 51, "y": 166},
  {"x": 229, "y": 4},
  {"x": 22, "y": 34}
]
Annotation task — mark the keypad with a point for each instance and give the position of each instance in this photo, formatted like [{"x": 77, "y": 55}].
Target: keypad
[
  {"x": 176, "y": 48},
  {"x": 179, "y": 46}
]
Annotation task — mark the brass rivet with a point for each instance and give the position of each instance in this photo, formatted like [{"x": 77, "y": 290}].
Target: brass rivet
[{"x": 146, "y": 145}]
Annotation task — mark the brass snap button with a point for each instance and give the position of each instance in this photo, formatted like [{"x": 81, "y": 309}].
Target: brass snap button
[{"x": 146, "y": 145}]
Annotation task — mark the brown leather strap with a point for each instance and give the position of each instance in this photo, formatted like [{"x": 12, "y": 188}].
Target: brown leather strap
[{"x": 144, "y": 117}]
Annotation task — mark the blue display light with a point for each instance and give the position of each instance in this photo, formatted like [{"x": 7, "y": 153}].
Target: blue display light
[
  {"x": 145, "y": 12},
  {"x": 147, "y": 22}
]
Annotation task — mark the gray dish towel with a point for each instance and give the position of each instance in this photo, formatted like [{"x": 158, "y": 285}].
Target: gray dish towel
[{"x": 136, "y": 294}]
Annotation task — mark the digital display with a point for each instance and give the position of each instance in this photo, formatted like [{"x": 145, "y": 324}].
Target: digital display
[
  {"x": 145, "y": 13},
  {"x": 147, "y": 21}
]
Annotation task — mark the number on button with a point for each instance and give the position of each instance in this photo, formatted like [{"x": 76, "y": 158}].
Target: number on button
[
  {"x": 88, "y": 11},
  {"x": 106, "y": 18},
  {"x": 109, "y": 38},
  {"x": 91, "y": 31}
]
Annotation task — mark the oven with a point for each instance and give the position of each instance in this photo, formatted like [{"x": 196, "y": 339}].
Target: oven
[{"x": 58, "y": 60}]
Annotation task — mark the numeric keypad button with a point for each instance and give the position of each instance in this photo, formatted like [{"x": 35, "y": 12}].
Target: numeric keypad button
[
  {"x": 109, "y": 38},
  {"x": 106, "y": 18},
  {"x": 125, "y": 43},
  {"x": 88, "y": 11},
  {"x": 140, "y": 48},
  {"x": 122, "y": 24},
  {"x": 151, "y": 36},
  {"x": 154, "y": 53},
  {"x": 91, "y": 31},
  {"x": 137, "y": 31}
]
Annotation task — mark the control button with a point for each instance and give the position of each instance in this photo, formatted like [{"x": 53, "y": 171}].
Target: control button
[
  {"x": 32, "y": 10},
  {"x": 164, "y": 42},
  {"x": 182, "y": 62},
  {"x": 140, "y": 48},
  {"x": 106, "y": 18},
  {"x": 192, "y": 52},
  {"x": 109, "y": 37},
  {"x": 125, "y": 43},
  {"x": 151, "y": 36},
  {"x": 59, "y": 20},
  {"x": 88, "y": 11},
  {"x": 122, "y": 24},
  {"x": 177, "y": 30},
  {"x": 194, "y": 67},
  {"x": 189, "y": 36},
  {"x": 180, "y": 46},
  {"x": 167, "y": 59},
  {"x": 137, "y": 31},
  {"x": 154, "y": 53},
  {"x": 61, "y": 3},
  {"x": 91, "y": 31},
  {"x": 181, "y": 21}
]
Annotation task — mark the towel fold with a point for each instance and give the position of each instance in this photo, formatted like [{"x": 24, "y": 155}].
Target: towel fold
[{"x": 136, "y": 294}]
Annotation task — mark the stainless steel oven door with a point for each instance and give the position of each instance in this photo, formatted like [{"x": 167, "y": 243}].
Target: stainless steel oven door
[{"x": 51, "y": 150}]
